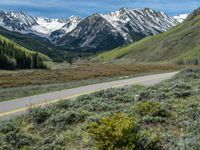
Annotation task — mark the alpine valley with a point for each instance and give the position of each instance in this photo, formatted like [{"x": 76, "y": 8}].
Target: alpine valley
[{"x": 64, "y": 38}]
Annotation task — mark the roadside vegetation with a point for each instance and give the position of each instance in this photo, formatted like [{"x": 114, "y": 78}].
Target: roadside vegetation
[
  {"x": 20, "y": 83},
  {"x": 162, "y": 117}
]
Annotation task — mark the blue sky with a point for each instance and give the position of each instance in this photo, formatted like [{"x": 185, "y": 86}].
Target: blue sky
[{"x": 66, "y": 8}]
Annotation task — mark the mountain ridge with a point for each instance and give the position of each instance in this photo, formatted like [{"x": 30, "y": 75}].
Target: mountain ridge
[
  {"x": 113, "y": 30},
  {"x": 126, "y": 25},
  {"x": 179, "y": 45},
  {"x": 25, "y": 23}
]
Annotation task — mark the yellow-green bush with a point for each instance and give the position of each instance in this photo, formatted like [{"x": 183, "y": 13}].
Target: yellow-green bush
[
  {"x": 153, "y": 109},
  {"x": 116, "y": 132}
]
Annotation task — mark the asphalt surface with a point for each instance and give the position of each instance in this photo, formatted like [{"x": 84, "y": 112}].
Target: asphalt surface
[{"x": 19, "y": 106}]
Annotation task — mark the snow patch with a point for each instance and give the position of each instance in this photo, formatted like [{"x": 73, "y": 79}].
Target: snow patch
[
  {"x": 180, "y": 18},
  {"x": 50, "y": 24}
]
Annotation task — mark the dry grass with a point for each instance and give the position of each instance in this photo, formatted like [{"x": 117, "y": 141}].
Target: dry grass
[{"x": 77, "y": 72}]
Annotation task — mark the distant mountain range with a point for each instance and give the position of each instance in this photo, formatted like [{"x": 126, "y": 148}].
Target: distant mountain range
[
  {"x": 95, "y": 32},
  {"x": 179, "y": 45}
]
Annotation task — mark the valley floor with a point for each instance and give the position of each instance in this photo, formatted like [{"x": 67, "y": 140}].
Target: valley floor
[
  {"x": 165, "y": 116},
  {"x": 21, "y": 83}
]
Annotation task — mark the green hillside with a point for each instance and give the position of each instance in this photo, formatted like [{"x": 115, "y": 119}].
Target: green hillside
[
  {"x": 13, "y": 56},
  {"x": 35, "y": 43},
  {"x": 44, "y": 46},
  {"x": 179, "y": 45}
]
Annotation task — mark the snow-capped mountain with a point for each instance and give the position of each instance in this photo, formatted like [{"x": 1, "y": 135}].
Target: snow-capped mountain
[
  {"x": 180, "y": 18},
  {"x": 93, "y": 33},
  {"x": 17, "y": 21},
  {"x": 49, "y": 25},
  {"x": 24, "y": 23},
  {"x": 143, "y": 21},
  {"x": 69, "y": 25},
  {"x": 96, "y": 32},
  {"x": 106, "y": 31}
]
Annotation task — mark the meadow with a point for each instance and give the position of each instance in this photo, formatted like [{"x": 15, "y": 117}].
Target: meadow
[{"x": 20, "y": 83}]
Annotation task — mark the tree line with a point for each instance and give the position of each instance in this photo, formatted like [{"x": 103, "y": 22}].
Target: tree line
[{"x": 13, "y": 56}]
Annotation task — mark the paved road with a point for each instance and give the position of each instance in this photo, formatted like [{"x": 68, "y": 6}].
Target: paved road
[{"x": 18, "y": 106}]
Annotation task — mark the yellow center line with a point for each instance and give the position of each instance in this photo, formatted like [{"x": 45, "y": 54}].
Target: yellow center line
[{"x": 71, "y": 97}]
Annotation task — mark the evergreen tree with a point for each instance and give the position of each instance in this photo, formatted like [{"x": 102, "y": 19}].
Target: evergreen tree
[{"x": 13, "y": 56}]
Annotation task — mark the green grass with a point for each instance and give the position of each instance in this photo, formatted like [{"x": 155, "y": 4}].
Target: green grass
[
  {"x": 173, "y": 123},
  {"x": 166, "y": 47}
]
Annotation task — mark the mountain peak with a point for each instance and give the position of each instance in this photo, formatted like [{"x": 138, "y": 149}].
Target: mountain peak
[
  {"x": 74, "y": 18},
  {"x": 126, "y": 25},
  {"x": 195, "y": 13},
  {"x": 144, "y": 21},
  {"x": 123, "y": 9}
]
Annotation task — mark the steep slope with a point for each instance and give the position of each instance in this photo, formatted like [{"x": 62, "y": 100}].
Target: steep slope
[
  {"x": 181, "y": 45},
  {"x": 120, "y": 27},
  {"x": 21, "y": 22},
  {"x": 13, "y": 56},
  {"x": 144, "y": 22},
  {"x": 93, "y": 33},
  {"x": 70, "y": 24},
  {"x": 17, "y": 21},
  {"x": 26, "y": 24},
  {"x": 34, "y": 43},
  {"x": 43, "y": 45}
]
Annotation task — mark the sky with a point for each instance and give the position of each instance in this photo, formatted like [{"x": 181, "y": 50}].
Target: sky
[{"x": 83, "y": 8}]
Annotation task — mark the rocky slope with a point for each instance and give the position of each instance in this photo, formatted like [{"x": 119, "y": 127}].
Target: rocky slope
[
  {"x": 24, "y": 23},
  {"x": 178, "y": 45},
  {"x": 95, "y": 32},
  {"x": 106, "y": 31}
]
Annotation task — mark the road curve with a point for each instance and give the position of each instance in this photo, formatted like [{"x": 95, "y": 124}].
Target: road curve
[{"x": 18, "y": 106}]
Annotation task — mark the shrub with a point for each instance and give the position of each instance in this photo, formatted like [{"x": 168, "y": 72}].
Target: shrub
[
  {"x": 149, "y": 140},
  {"x": 7, "y": 126},
  {"x": 110, "y": 93},
  {"x": 116, "y": 132},
  {"x": 189, "y": 74},
  {"x": 182, "y": 94},
  {"x": 51, "y": 142},
  {"x": 68, "y": 118},
  {"x": 39, "y": 115},
  {"x": 123, "y": 98},
  {"x": 18, "y": 139},
  {"x": 153, "y": 120},
  {"x": 153, "y": 94},
  {"x": 98, "y": 105},
  {"x": 65, "y": 104},
  {"x": 153, "y": 109},
  {"x": 181, "y": 85}
]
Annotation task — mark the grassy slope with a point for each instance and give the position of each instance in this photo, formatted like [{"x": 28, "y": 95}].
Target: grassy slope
[
  {"x": 36, "y": 43},
  {"x": 30, "y": 42},
  {"x": 21, "y": 48},
  {"x": 180, "y": 43},
  {"x": 64, "y": 125}
]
